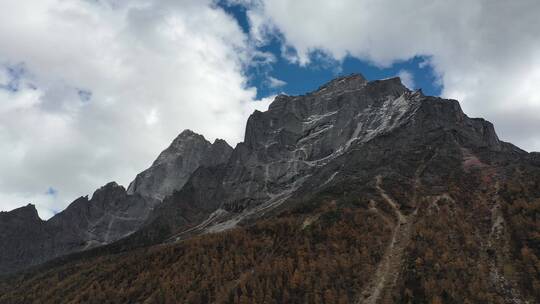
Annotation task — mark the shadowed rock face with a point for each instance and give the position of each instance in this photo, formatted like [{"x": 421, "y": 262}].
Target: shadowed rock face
[
  {"x": 449, "y": 192},
  {"x": 17, "y": 228},
  {"x": 174, "y": 165},
  {"x": 299, "y": 136},
  {"x": 343, "y": 135},
  {"x": 111, "y": 214},
  {"x": 348, "y": 129}
]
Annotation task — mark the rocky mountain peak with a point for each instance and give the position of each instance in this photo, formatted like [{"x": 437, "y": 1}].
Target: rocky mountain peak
[
  {"x": 18, "y": 228},
  {"x": 345, "y": 100},
  {"x": 184, "y": 141},
  {"x": 299, "y": 135},
  {"x": 349, "y": 82},
  {"x": 220, "y": 142},
  {"x": 219, "y": 153},
  {"x": 186, "y": 135},
  {"x": 301, "y": 144},
  {"x": 174, "y": 165},
  {"x": 26, "y": 213},
  {"x": 109, "y": 192}
]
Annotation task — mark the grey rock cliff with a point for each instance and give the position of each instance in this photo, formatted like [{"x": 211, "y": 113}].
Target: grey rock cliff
[
  {"x": 174, "y": 165},
  {"x": 304, "y": 144},
  {"x": 338, "y": 138},
  {"x": 20, "y": 228},
  {"x": 111, "y": 214},
  {"x": 435, "y": 184},
  {"x": 108, "y": 216}
]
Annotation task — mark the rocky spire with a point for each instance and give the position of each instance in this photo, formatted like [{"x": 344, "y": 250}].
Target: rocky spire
[{"x": 174, "y": 165}]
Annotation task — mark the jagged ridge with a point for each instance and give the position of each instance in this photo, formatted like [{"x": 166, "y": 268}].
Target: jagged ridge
[
  {"x": 443, "y": 195},
  {"x": 111, "y": 214}
]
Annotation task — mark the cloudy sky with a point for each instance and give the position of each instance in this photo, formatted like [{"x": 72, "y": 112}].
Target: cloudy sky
[{"x": 92, "y": 90}]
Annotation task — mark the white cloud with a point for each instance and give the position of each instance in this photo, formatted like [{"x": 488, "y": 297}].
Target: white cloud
[
  {"x": 407, "y": 78},
  {"x": 486, "y": 52},
  {"x": 4, "y": 77},
  {"x": 149, "y": 69},
  {"x": 274, "y": 82},
  {"x": 152, "y": 117}
]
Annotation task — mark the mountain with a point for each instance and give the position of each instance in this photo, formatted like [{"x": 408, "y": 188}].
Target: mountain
[
  {"x": 174, "y": 165},
  {"x": 358, "y": 192},
  {"x": 304, "y": 144},
  {"x": 111, "y": 214},
  {"x": 17, "y": 226}
]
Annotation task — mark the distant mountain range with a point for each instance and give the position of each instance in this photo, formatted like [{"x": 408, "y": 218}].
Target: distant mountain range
[{"x": 359, "y": 192}]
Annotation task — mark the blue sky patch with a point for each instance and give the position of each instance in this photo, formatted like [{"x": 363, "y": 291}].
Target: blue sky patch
[
  {"x": 51, "y": 191},
  {"x": 294, "y": 79}
]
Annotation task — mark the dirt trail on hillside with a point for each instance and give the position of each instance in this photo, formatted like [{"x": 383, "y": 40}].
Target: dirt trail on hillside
[{"x": 380, "y": 287}]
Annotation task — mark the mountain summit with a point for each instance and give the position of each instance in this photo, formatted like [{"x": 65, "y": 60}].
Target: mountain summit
[
  {"x": 303, "y": 144},
  {"x": 359, "y": 192},
  {"x": 174, "y": 165},
  {"x": 111, "y": 214}
]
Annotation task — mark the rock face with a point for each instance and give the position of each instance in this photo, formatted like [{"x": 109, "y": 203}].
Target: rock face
[
  {"x": 111, "y": 214},
  {"x": 18, "y": 228},
  {"x": 348, "y": 130},
  {"x": 298, "y": 135},
  {"x": 302, "y": 144},
  {"x": 174, "y": 165},
  {"x": 445, "y": 196}
]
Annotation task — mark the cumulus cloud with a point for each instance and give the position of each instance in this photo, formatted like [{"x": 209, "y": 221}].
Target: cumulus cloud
[
  {"x": 4, "y": 78},
  {"x": 486, "y": 52},
  {"x": 92, "y": 91},
  {"x": 407, "y": 78},
  {"x": 103, "y": 86}
]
